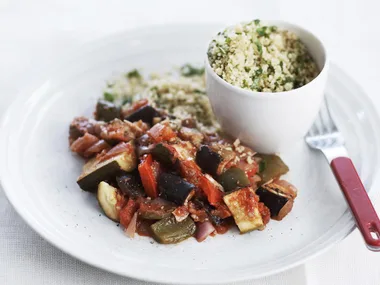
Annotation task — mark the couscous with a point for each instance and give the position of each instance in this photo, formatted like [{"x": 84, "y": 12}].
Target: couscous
[{"x": 261, "y": 58}]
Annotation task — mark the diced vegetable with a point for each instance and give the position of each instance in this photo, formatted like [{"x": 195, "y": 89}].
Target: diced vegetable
[
  {"x": 191, "y": 171},
  {"x": 127, "y": 212},
  {"x": 169, "y": 231},
  {"x": 211, "y": 189},
  {"x": 173, "y": 188},
  {"x": 181, "y": 213},
  {"x": 244, "y": 207},
  {"x": 204, "y": 230},
  {"x": 106, "y": 111},
  {"x": 130, "y": 184},
  {"x": 145, "y": 113},
  {"x": 109, "y": 198},
  {"x": 165, "y": 154},
  {"x": 96, "y": 148},
  {"x": 81, "y": 125},
  {"x": 118, "y": 130},
  {"x": 131, "y": 229},
  {"x": 271, "y": 167},
  {"x": 81, "y": 144},
  {"x": 148, "y": 176},
  {"x": 233, "y": 178},
  {"x": 161, "y": 133},
  {"x": 208, "y": 160},
  {"x": 275, "y": 198},
  {"x": 94, "y": 171},
  {"x": 156, "y": 209}
]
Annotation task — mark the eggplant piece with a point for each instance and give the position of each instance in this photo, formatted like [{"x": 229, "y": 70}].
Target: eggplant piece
[
  {"x": 233, "y": 178},
  {"x": 165, "y": 155},
  {"x": 271, "y": 167},
  {"x": 275, "y": 198},
  {"x": 168, "y": 230},
  {"x": 156, "y": 209},
  {"x": 106, "y": 111},
  {"x": 130, "y": 184},
  {"x": 175, "y": 189},
  {"x": 107, "y": 197},
  {"x": 208, "y": 160},
  {"x": 94, "y": 171},
  {"x": 145, "y": 114},
  {"x": 244, "y": 207}
]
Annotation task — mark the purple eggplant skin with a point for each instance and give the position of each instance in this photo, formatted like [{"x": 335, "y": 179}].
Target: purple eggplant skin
[
  {"x": 130, "y": 184},
  {"x": 272, "y": 200},
  {"x": 173, "y": 188},
  {"x": 106, "y": 111},
  {"x": 208, "y": 160},
  {"x": 145, "y": 114}
]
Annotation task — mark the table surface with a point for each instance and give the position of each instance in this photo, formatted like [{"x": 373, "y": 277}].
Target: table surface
[{"x": 36, "y": 33}]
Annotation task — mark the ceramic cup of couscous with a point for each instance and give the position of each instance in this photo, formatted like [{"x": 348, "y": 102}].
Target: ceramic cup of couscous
[{"x": 265, "y": 81}]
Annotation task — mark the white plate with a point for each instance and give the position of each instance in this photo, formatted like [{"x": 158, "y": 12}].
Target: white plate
[{"x": 38, "y": 172}]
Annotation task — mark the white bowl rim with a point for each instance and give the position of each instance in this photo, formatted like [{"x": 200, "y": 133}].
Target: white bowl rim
[{"x": 262, "y": 95}]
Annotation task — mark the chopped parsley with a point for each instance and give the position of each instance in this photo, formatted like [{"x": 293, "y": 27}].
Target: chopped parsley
[
  {"x": 133, "y": 74},
  {"x": 188, "y": 70},
  {"x": 257, "y": 21},
  {"x": 259, "y": 47},
  {"x": 108, "y": 97},
  {"x": 262, "y": 166},
  {"x": 262, "y": 31}
]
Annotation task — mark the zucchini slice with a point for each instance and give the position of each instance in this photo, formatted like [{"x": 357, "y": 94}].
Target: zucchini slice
[
  {"x": 108, "y": 197},
  {"x": 244, "y": 207},
  {"x": 94, "y": 171}
]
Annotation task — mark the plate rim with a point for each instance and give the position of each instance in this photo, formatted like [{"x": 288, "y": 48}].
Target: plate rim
[{"x": 38, "y": 79}]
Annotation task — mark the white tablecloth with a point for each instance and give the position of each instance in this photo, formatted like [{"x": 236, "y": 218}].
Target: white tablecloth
[{"x": 34, "y": 33}]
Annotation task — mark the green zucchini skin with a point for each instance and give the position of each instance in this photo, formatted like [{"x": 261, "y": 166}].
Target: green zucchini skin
[
  {"x": 90, "y": 182},
  {"x": 94, "y": 172}
]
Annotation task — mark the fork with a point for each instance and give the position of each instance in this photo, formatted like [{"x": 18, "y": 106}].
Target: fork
[{"x": 325, "y": 136}]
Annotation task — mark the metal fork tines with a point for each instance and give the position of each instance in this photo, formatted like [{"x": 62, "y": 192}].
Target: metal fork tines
[{"x": 325, "y": 136}]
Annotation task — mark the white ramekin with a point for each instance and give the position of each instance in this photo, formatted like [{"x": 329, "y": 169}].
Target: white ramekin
[{"x": 270, "y": 122}]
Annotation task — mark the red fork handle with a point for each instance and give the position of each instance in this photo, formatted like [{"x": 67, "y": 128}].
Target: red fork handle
[{"x": 358, "y": 200}]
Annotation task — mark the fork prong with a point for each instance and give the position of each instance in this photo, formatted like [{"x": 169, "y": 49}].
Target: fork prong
[{"x": 329, "y": 117}]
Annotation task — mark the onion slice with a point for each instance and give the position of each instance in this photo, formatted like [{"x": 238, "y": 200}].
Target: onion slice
[
  {"x": 204, "y": 230},
  {"x": 131, "y": 229}
]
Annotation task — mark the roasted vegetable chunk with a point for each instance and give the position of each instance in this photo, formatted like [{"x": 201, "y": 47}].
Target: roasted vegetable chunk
[
  {"x": 276, "y": 198},
  {"x": 110, "y": 200},
  {"x": 271, "y": 167},
  {"x": 168, "y": 230},
  {"x": 208, "y": 160},
  {"x": 233, "y": 178},
  {"x": 97, "y": 170},
  {"x": 106, "y": 111},
  {"x": 244, "y": 206},
  {"x": 145, "y": 114},
  {"x": 130, "y": 184},
  {"x": 156, "y": 209},
  {"x": 175, "y": 189}
]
